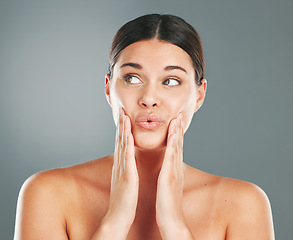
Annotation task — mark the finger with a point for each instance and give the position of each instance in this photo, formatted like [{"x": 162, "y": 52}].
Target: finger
[
  {"x": 130, "y": 156},
  {"x": 177, "y": 162},
  {"x": 123, "y": 145},
  {"x": 181, "y": 127},
  {"x": 181, "y": 136},
  {"x": 169, "y": 153},
  {"x": 177, "y": 146},
  {"x": 118, "y": 124},
  {"x": 127, "y": 131},
  {"x": 119, "y": 138},
  {"x": 180, "y": 145},
  {"x": 130, "y": 163},
  {"x": 127, "y": 125},
  {"x": 172, "y": 127}
]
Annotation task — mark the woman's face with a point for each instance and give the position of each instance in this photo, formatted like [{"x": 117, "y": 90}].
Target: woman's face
[{"x": 153, "y": 81}]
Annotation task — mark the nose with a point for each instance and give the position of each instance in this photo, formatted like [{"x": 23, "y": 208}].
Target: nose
[{"x": 149, "y": 97}]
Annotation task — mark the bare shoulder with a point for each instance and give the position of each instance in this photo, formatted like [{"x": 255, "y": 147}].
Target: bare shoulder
[
  {"x": 39, "y": 203},
  {"x": 241, "y": 208},
  {"x": 44, "y": 187},
  {"x": 46, "y": 198},
  {"x": 242, "y": 192},
  {"x": 62, "y": 180},
  {"x": 233, "y": 191},
  {"x": 43, "y": 181},
  {"x": 249, "y": 210}
]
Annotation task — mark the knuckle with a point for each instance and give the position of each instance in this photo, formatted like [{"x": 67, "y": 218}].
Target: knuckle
[{"x": 120, "y": 138}]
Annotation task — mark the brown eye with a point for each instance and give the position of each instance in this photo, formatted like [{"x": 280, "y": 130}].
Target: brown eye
[
  {"x": 171, "y": 82},
  {"x": 131, "y": 79}
]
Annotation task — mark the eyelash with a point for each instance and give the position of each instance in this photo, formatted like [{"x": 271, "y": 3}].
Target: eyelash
[
  {"x": 128, "y": 76},
  {"x": 175, "y": 79}
]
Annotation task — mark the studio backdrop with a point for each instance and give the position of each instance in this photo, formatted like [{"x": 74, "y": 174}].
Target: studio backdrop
[{"x": 53, "y": 58}]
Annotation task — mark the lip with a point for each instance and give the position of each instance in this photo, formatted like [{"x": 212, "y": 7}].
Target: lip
[{"x": 149, "y": 121}]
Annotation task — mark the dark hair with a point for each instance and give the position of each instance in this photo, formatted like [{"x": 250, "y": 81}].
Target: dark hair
[{"x": 168, "y": 28}]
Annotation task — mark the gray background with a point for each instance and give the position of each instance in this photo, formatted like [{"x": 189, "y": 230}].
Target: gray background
[{"x": 53, "y": 57}]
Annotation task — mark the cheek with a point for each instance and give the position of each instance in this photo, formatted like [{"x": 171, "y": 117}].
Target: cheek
[
  {"x": 183, "y": 102},
  {"x": 128, "y": 102},
  {"x": 116, "y": 103},
  {"x": 188, "y": 112},
  {"x": 122, "y": 99},
  {"x": 187, "y": 117}
]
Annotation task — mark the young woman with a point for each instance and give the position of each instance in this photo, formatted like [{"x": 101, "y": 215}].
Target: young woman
[{"x": 144, "y": 190}]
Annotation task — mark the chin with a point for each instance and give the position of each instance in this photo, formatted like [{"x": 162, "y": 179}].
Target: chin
[{"x": 150, "y": 143}]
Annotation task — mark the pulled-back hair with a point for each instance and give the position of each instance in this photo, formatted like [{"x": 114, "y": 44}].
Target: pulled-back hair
[{"x": 167, "y": 28}]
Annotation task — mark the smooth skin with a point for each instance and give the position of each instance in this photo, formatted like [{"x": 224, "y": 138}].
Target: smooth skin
[{"x": 144, "y": 190}]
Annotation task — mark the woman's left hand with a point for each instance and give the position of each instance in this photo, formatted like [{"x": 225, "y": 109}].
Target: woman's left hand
[{"x": 169, "y": 207}]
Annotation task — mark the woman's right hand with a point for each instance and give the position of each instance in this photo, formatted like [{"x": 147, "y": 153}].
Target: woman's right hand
[{"x": 124, "y": 185}]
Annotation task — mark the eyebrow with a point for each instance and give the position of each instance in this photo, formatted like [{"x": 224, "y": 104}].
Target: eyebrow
[
  {"x": 138, "y": 66},
  {"x": 169, "y": 68},
  {"x": 130, "y": 64}
]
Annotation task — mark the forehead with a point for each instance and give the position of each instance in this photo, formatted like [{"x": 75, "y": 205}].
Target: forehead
[{"x": 155, "y": 53}]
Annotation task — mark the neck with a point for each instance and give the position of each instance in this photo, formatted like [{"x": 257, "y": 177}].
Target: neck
[{"x": 149, "y": 163}]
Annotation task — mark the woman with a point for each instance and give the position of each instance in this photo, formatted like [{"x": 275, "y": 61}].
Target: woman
[{"x": 144, "y": 190}]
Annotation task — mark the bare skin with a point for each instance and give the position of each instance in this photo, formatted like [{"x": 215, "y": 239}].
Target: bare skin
[
  {"x": 144, "y": 190},
  {"x": 70, "y": 203}
]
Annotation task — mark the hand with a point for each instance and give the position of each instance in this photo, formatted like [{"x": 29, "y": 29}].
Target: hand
[
  {"x": 124, "y": 182},
  {"x": 169, "y": 210}
]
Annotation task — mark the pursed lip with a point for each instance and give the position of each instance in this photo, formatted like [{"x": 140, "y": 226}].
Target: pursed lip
[{"x": 149, "y": 121}]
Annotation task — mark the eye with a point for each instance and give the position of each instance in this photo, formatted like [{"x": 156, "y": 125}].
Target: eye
[
  {"x": 172, "y": 82},
  {"x": 131, "y": 79}
]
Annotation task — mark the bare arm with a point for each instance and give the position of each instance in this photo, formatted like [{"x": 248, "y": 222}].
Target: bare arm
[
  {"x": 44, "y": 199},
  {"x": 251, "y": 217},
  {"x": 39, "y": 213},
  {"x": 169, "y": 209},
  {"x": 124, "y": 186}
]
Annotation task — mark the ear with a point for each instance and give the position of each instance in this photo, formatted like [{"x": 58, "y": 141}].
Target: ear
[
  {"x": 201, "y": 94},
  {"x": 107, "y": 88}
]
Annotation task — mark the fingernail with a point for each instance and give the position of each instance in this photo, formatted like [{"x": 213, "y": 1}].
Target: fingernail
[
  {"x": 127, "y": 133},
  {"x": 174, "y": 122},
  {"x": 173, "y": 137}
]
